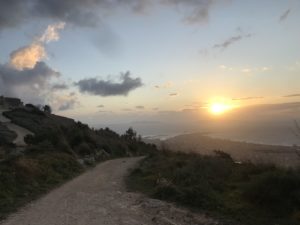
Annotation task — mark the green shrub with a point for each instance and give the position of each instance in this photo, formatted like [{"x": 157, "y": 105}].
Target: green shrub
[
  {"x": 253, "y": 194},
  {"x": 84, "y": 149},
  {"x": 276, "y": 190},
  {"x": 26, "y": 177}
]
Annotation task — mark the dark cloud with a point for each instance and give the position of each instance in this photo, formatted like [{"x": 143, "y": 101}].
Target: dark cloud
[
  {"x": 61, "y": 86},
  {"x": 28, "y": 84},
  {"x": 140, "y": 107},
  {"x": 173, "y": 94},
  {"x": 109, "y": 88},
  {"x": 247, "y": 98},
  {"x": 100, "y": 106},
  {"x": 285, "y": 15},
  {"x": 230, "y": 41},
  {"x": 12, "y": 12},
  {"x": 83, "y": 13},
  {"x": 196, "y": 11},
  {"x": 88, "y": 12},
  {"x": 16, "y": 12},
  {"x": 292, "y": 95}
]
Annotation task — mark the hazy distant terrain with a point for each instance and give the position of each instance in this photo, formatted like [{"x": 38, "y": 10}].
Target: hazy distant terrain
[
  {"x": 261, "y": 132},
  {"x": 240, "y": 151}
]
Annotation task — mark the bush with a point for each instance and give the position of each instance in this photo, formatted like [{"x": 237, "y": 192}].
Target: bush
[
  {"x": 24, "y": 178},
  {"x": 253, "y": 194},
  {"x": 84, "y": 149},
  {"x": 276, "y": 190}
]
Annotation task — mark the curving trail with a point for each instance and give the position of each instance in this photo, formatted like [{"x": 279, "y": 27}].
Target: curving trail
[
  {"x": 20, "y": 131},
  {"x": 99, "y": 197}
]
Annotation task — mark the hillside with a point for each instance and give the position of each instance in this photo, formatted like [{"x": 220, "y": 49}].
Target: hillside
[
  {"x": 59, "y": 149},
  {"x": 234, "y": 193},
  {"x": 99, "y": 196},
  {"x": 240, "y": 151}
]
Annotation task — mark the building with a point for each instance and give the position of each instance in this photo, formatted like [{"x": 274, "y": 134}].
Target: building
[{"x": 10, "y": 103}]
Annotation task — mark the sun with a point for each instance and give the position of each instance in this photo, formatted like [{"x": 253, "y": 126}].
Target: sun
[{"x": 218, "y": 108}]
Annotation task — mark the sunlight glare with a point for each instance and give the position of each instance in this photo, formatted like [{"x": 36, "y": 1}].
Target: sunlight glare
[{"x": 218, "y": 108}]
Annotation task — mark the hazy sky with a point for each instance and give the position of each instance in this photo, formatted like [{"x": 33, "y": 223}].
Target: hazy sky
[{"x": 110, "y": 61}]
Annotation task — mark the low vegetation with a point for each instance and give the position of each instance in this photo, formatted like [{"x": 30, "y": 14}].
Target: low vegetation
[
  {"x": 60, "y": 149},
  {"x": 239, "y": 193},
  {"x": 26, "y": 177}
]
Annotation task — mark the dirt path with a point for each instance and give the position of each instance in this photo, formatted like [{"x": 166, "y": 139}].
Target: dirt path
[
  {"x": 20, "y": 131},
  {"x": 98, "y": 197}
]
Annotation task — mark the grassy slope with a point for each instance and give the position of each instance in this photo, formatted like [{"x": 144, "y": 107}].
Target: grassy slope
[
  {"x": 24, "y": 178},
  {"x": 240, "y": 151},
  {"x": 245, "y": 193},
  {"x": 53, "y": 155}
]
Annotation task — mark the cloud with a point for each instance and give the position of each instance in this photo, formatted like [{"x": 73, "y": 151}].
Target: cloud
[
  {"x": 272, "y": 108},
  {"x": 26, "y": 57},
  {"x": 52, "y": 32},
  {"x": 230, "y": 41},
  {"x": 197, "y": 10},
  {"x": 59, "y": 86},
  {"x": 165, "y": 85},
  {"x": 104, "y": 111},
  {"x": 173, "y": 94},
  {"x": 140, "y": 107},
  {"x": 87, "y": 13},
  {"x": 100, "y": 106},
  {"x": 62, "y": 102},
  {"x": 292, "y": 95},
  {"x": 105, "y": 88},
  {"x": 16, "y": 12},
  {"x": 67, "y": 105},
  {"x": 7, "y": 19},
  {"x": 247, "y": 98},
  {"x": 26, "y": 76},
  {"x": 285, "y": 15},
  {"x": 127, "y": 110},
  {"x": 246, "y": 70},
  {"x": 28, "y": 84}
]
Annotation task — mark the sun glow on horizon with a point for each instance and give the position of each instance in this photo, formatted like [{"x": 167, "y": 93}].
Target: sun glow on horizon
[{"x": 219, "y": 108}]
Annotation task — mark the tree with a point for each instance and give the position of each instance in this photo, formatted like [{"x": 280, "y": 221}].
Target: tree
[
  {"x": 130, "y": 134},
  {"x": 47, "y": 109}
]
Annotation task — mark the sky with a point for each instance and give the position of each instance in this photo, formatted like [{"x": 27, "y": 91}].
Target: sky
[{"x": 118, "y": 61}]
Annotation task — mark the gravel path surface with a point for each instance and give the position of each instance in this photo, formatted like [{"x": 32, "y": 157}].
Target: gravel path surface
[
  {"x": 20, "y": 131},
  {"x": 99, "y": 197}
]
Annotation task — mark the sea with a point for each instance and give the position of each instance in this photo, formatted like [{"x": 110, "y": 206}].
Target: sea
[{"x": 284, "y": 134}]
